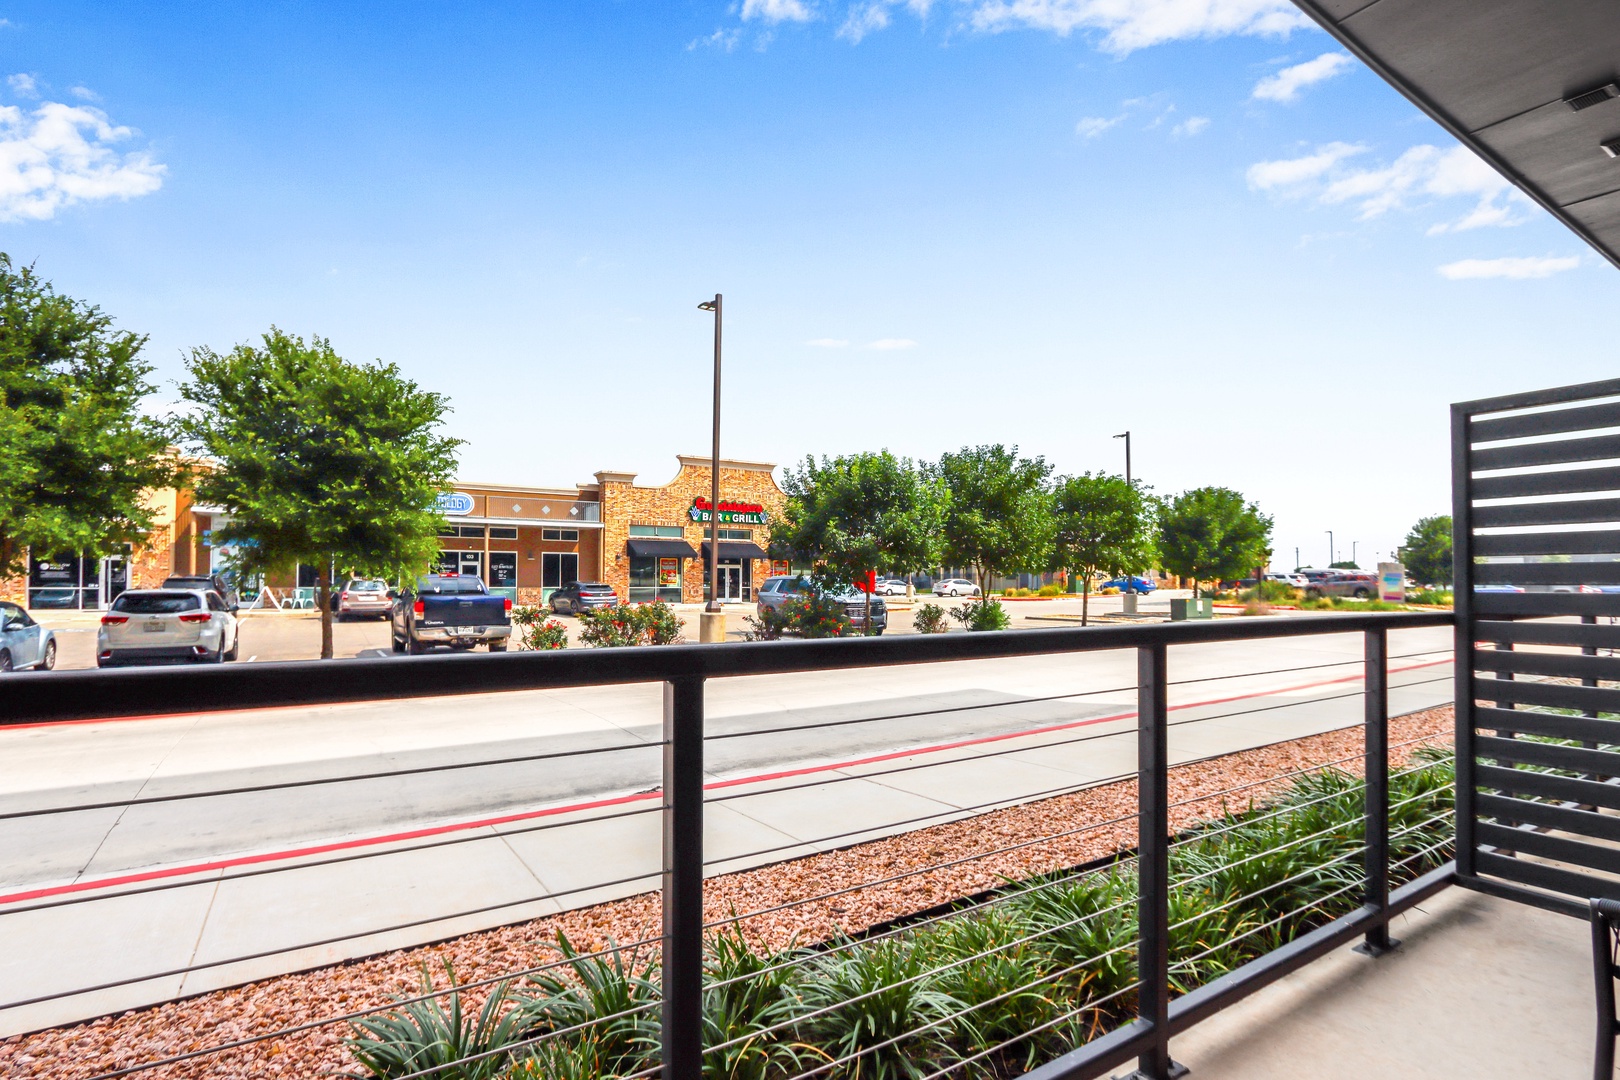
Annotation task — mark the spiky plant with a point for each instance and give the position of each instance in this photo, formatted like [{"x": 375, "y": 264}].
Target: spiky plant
[
  {"x": 745, "y": 1001},
  {"x": 989, "y": 962},
  {"x": 610, "y": 1000},
  {"x": 437, "y": 1034}
]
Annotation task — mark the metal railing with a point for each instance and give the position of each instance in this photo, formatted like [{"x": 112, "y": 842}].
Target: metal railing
[{"x": 684, "y": 672}]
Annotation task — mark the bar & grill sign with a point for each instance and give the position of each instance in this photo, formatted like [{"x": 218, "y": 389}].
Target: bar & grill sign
[{"x": 731, "y": 513}]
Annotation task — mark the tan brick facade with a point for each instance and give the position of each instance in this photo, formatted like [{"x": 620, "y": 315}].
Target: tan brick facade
[{"x": 625, "y": 504}]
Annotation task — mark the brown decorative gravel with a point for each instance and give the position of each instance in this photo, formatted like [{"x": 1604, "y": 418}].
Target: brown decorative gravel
[{"x": 115, "y": 1042}]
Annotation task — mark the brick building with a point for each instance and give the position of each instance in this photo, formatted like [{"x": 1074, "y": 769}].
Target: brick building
[{"x": 647, "y": 542}]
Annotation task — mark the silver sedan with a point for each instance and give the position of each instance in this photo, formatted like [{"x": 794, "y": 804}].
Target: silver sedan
[{"x": 24, "y": 644}]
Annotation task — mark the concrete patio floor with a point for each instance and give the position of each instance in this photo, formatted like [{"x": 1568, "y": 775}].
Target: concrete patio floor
[{"x": 1480, "y": 988}]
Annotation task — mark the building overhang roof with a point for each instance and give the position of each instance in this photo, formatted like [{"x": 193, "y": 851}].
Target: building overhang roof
[{"x": 1500, "y": 76}]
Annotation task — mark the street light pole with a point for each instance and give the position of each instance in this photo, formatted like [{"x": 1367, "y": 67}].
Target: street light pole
[
  {"x": 1353, "y": 544},
  {"x": 1128, "y": 603},
  {"x": 713, "y": 621},
  {"x": 1331, "y": 559}
]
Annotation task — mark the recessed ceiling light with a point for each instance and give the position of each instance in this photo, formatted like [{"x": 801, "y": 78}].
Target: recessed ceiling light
[{"x": 1596, "y": 96}]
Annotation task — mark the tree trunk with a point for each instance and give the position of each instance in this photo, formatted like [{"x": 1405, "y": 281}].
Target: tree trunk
[
  {"x": 323, "y": 601},
  {"x": 1085, "y": 599},
  {"x": 984, "y": 581},
  {"x": 866, "y": 631}
]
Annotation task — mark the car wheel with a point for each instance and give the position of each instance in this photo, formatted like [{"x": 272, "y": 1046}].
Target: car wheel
[
  {"x": 415, "y": 648},
  {"x": 5, "y": 661},
  {"x": 497, "y": 646},
  {"x": 48, "y": 661},
  {"x": 1360, "y": 594},
  {"x": 399, "y": 646},
  {"x": 236, "y": 645}
]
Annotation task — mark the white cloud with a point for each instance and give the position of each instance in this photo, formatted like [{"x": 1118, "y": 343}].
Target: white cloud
[
  {"x": 1292, "y": 172},
  {"x": 84, "y": 93},
  {"x": 1135, "y": 24},
  {"x": 721, "y": 39},
  {"x": 1090, "y": 127},
  {"x": 863, "y": 21},
  {"x": 1190, "y": 127},
  {"x": 889, "y": 344},
  {"x": 1420, "y": 174},
  {"x": 776, "y": 11},
  {"x": 829, "y": 343},
  {"x": 1517, "y": 268},
  {"x": 59, "y": 155},
  {"x": 23, "y": 85},
  {"x": 1286, "y": 84}
]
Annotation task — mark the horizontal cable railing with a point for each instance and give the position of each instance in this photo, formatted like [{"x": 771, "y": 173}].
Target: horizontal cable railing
[{"x": 680, "y": 951}]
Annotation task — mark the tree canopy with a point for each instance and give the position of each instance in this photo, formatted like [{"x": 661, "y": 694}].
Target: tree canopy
[
  {"x": 320, "y": 461},
  {"x": 860, "y": 512},
  {"x": 1102, "y": 524},
  {"x": 999, "y": 517},
  {"x": 1427, "y": 551},
  {"x": 76, "y": 454},
  {"x": 1210, "y": 534}
]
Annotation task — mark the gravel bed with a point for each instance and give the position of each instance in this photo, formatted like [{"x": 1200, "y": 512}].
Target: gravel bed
[{"x": 1045, "y": 832}]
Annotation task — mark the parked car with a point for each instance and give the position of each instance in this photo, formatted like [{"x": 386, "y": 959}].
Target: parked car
[
  {"x": 578, "y": 596},
  {"x": 450, "y": 609},
  {"x": 53, "y": 598},
  {"x": 204, "y": 581},
  {"x": 773, "y": 592},
  {"x": 1311, "y": 574},
  {"x": 891, "y": 586},
  {"x": 24, "y": 644},
  {"x": 1298, "y": 581},
  {"x": 362, "y": 597},
  {"x": 1355, "y": 583},
  {"x": 955, "y": 586},
  {"x": 156, "y": 625},
  {"x": 1136, "y": 584},
  {"x": 1498, "y": 589}
]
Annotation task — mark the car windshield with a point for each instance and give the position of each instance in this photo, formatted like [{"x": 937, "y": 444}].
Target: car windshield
[
  {"x": 449, "y": 586},
  {"x": 156, "y": 603}
]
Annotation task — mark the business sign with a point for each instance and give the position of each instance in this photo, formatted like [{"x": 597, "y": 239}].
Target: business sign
[
  {"x": 669, "y": 573},
  {"x": 1392, "y": 582},
  {"x": 455, "y": 504},
  {"x": 780, "y": 568},
  {"x": 731, "y": 513}
]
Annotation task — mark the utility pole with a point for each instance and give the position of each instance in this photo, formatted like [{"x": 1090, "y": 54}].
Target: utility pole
[
  {"x": 712, "y": 623},
  {"x": 1331, "y": 559},
  {"x": 1128, "y": 601}
]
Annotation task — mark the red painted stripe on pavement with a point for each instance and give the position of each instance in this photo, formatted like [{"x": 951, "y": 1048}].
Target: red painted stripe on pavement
[{"x": 482, "y": 823}]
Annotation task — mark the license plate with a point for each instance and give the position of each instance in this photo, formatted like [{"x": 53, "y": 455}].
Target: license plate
[{"x": 155, "y": 626}]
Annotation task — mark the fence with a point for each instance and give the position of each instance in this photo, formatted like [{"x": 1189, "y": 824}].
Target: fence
[{"x": 1171, "y": 985}]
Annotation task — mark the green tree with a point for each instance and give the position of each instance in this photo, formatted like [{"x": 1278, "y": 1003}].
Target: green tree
[
  {"x": 1102, "y": 524},
  {"x": 1000, "y": 512},
  {"x": 1210, "y": 533},
  {"x": 319, "y": 460},
  {"x": 76, "y": 455},
  {"x": 860, "y": 512},
  {"x": 1427, "y": 551}
]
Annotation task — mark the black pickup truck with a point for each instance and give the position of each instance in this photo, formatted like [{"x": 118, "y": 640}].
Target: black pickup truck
[{"x": 453, "y": 610}]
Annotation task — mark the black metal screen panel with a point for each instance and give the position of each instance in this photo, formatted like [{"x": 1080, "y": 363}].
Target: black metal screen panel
[{"x": 1536, "y": 528}]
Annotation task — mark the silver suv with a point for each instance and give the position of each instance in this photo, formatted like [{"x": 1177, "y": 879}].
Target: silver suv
[{"x": 776, "y": 591}]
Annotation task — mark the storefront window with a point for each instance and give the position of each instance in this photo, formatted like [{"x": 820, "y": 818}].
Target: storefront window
[
  {"x": 655, "y": 578},
  {"x": 501, "y": 532},
  {"x": 558, "y": 568},
  {"x": 503, "y": 574},
  {"x": 566, "y": 535},
  {"x": 669, "y": 532}
]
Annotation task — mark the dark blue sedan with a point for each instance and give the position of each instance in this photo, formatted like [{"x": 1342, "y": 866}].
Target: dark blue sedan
[{"x": 1135, "y": 584}]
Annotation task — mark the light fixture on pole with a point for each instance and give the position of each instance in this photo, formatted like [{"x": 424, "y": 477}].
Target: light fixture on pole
[
  {"x": 713, "y": 620},
  {"x": 1127, "y": 437}
]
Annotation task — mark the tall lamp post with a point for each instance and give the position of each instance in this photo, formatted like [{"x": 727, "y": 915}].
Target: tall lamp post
[
  {"x": 1331, "y": 557},
  {"x": 1353, "y": 544},
  {"x": 1128, "y": 601},
  {"x": 712, "y": 623}
]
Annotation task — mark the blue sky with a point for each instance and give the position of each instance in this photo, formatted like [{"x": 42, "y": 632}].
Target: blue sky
[{"x": 1037, "y": 222}]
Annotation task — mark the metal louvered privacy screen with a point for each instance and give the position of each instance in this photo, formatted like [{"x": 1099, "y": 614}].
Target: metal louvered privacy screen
[{"x": 1536, "y": 528}]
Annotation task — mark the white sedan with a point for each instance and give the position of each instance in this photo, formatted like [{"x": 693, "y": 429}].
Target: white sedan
[
  {"x": 955, "y": 587},
  {"x": 891, "y": 586},
  {"x": 1298, "y": 581},
  {"x": 147, "y": 625}
]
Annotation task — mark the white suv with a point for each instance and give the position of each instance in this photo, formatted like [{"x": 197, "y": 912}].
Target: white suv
[{"x": 147, "y": 625}]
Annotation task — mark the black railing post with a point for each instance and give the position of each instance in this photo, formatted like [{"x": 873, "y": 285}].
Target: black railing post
[
  {"x": 1153, "y": 861},
  {"x": 1375, "y": 809},
  {"x": 683, "y": 880}
]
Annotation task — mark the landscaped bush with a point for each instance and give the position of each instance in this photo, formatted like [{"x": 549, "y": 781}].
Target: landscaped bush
[
  {"x": 630, "y": 624},
  {"x": 1017, "y": 592},
  {"x": 928, "y": 619},
  {"x": 985, "y": 614},
  {"x": 1055, "y": 950},
  {"x": 1431, "y": 597},
  {"x": 1050, "y": 590},
  {"x": 816, "y": 614},
  {"x": 538, "y": 629}
]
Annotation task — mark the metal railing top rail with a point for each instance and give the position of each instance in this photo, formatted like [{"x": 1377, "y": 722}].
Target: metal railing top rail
[{"x": 33, "y": 698}]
